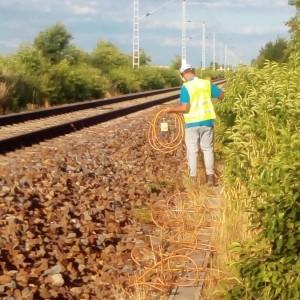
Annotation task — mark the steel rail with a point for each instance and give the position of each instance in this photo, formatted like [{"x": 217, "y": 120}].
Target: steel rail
[
  {"x": 30, "y": 138},
  {"x": 68, "y": 108}
]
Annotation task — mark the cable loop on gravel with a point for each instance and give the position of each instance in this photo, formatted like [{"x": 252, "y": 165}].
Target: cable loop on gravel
[
  {"x": 159, "y": 142},
  {"x": 167, "y": 261}
]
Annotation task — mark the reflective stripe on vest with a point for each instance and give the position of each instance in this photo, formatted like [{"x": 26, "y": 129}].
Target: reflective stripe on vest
[{"x": 201, "y": 107}]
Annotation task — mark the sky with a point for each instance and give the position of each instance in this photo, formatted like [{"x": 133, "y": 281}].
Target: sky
[{"x": 243, "y": 25}]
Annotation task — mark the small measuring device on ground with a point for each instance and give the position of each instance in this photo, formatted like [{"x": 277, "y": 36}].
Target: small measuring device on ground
[{"x": 164, "y": 126}]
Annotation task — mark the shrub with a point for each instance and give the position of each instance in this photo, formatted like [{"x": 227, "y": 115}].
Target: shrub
[
  {"x": 171, "y": 77},
  {"x": 81, "y": 82},
  {"x": 151, "y": 78},
  {"x": 261, "y": 122},
  {"x": 107, "y": 57},
  {"x": 124, "y": 80},
  {"x": 209, "y": 73}
]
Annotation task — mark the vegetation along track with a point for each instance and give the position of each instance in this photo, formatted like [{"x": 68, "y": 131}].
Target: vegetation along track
[{"x": 28, "y": 128}]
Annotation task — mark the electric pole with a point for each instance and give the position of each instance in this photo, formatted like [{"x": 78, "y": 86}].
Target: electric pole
[
  {"x": 214, "y": 51},
  {"x": 225, "y": 57},
  {"x": 184, "y": 37},
  {"x": 136, "y": 34},
  {"x": 203, "y": 46},
  {"x": 220, "y": 53}
]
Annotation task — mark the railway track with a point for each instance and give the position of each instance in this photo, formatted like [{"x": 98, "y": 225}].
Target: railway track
[{"x": 26, "y": 129}]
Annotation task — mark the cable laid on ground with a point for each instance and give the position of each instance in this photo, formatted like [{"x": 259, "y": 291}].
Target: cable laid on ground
[
  {"x": 154, "y": 137},
  {"x": 167, "y": 260}
]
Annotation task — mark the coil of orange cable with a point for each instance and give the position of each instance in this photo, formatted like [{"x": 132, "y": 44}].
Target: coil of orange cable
[{"x": 169, "y": 141}]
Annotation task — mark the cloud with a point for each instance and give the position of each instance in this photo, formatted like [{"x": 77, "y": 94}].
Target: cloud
[
  {"x": 89, "y": 8},
  {"x": 239, "y": 3},
  {"x": 83, "y": 10},
  {"x": 167, "y": 24},
  {"x": 76, "y": 7},
  {"x": 256, "y": 30},
  {"x": 245, "y": 24},
  {"x": 191, "y": 43},
  {"x": 196, "y": 27}
]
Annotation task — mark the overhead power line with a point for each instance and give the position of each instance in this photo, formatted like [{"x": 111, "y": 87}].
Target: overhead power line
[
  {"x": 152, "y": 12},
  {"x": 136, "y": 28}
]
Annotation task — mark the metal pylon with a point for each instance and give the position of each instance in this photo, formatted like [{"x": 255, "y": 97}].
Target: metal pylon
[
  {"x": 203, "y": 46},
  {"x": 184, "y": 36},
  {"x": 136, "y": 34}
]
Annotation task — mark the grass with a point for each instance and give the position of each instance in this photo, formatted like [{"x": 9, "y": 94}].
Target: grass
[
  {"x": 139, "y": 294},
  {"x": 157, "y": 186},
  {"x": 232, "y": 226},
  {"x": 230, "y": 223},
  {"x": 142, "y": 215},
  {"x": 178, "y": 222},
  {"x": 166, "y": 253}
]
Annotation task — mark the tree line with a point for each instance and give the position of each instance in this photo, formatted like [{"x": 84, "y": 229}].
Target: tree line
[
  {"x": 281, "y": 49},
  {"x": 52, "y": 70}
]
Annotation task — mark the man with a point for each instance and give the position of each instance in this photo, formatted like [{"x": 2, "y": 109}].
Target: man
[{"x": 199, "y": 115}]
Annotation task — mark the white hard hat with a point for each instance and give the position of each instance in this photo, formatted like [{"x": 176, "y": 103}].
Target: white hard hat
[{"x": 185, "y": 67}]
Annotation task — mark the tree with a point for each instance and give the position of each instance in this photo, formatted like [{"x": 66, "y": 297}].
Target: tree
[
  {"x": 274, "y": 51},
  {"x": 176, "y": 62},
  {"x": 218, "y": 65},
  {"x": 151, "y": 78},
  {"x": 52, "y": 70},
  {"x": 75, "y": 55},
  {"x": 124, "y": 80},
  {"x": 107, "y": 56},
  {"x": 30, "y": 70},
  {"x": 295, "y": 2},
  {"x": 54, "y": 42},
  {"x": 294, "y": 24},
  {"x": 68, "y": 83},
  {"x": 17, "y": 77},
  {"x": 4, "y": 96},
  {"x": 144, "y": 58},
  {"x": 171, "y": 77}
]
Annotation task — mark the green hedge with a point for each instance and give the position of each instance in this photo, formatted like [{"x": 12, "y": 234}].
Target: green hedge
[{"x": 260, "y": 129}]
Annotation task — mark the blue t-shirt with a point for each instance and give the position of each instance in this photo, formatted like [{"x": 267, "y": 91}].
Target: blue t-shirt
[{"x": 216, "y": 92}]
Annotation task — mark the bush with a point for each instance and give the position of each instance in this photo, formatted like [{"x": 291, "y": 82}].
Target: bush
[
  {"x": 54, "y": 71},
  {"x": 127, "y": 80},
  {"x": 151, "y": 78},
  {"x": 171, "y": 77},
  {"x": 261, "y": 121},
  {"x": 107, "y": 57},
  {"x": 124, "y": 80},
  {"x": 68, "y": 83},
  {"x": 54, "y": 42},
  {"x": 209, "y": 73},
  {"x": 25, "y": 73}
]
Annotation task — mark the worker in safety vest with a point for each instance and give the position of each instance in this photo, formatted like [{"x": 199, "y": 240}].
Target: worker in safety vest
[{"x": 199, "y": 115}]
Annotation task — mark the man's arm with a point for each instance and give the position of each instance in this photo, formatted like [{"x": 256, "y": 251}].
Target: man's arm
[
  {"x": 222, "y": 96},
  {"x": 216, "y": 92},
  {"x": 184, "y": 106}
]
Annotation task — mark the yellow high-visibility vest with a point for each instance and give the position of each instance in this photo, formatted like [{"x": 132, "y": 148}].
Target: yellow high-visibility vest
[{"x": 201, "y": 106}]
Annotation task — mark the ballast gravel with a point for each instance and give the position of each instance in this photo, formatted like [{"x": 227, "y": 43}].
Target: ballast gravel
[{"x": 67, "y": 210}]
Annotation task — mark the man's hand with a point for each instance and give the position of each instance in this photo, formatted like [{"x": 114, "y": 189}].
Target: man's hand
[
  {"x": 222, "y": 96},
  {"x": 183, "y": 108},
  {"x": 168, "y": 110}
]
